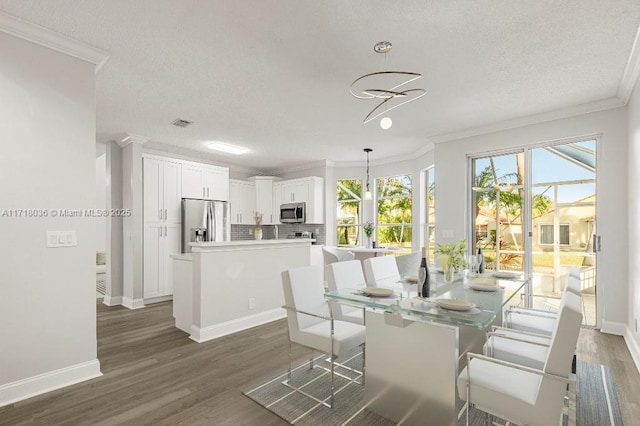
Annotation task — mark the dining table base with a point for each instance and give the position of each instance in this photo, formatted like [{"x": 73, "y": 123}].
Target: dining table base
[{"x": 412, "y": 367}]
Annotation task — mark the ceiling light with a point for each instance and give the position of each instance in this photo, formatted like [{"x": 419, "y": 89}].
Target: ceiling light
[
  {"x": 386, "y": 123},
  {"x": 367, "y": 193},
  {"x": 389, "y": 98},
  {"x": 229, "y": 149}
]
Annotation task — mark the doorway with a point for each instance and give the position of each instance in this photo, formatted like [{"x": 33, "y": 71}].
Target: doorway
[{"x": 535, "y": 212}]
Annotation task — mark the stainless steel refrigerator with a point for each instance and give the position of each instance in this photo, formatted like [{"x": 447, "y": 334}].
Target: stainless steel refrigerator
[{"x": 203, "y": 221}]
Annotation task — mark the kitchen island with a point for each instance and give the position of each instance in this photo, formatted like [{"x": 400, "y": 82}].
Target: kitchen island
[{"x": 225, "y": 287}]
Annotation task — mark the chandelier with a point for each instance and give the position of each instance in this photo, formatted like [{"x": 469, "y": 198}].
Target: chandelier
[
  {"x": 390, "y": 98},
  {"x": 367, "y": 193}
]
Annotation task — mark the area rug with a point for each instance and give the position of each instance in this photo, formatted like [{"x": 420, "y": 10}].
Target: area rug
[{"x": 595, "y": 403}]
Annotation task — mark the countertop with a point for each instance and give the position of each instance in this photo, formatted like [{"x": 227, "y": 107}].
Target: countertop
[
  {"x": 187, "y": 257},
  {"x": 249, "y": 243}
]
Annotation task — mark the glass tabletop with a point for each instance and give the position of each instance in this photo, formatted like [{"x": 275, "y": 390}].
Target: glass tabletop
[{"x": 479, "y": 308}]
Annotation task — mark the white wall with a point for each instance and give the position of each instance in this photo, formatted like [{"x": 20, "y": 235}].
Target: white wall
[
  {"x": 633, "y": 338},
  {"x": 101, "y": 196},
  {"x": 47, "y": 161},
  {"x": 452, "y": 187}
]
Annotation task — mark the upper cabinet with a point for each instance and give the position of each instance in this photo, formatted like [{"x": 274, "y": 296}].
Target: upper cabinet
[
  {"x": 205, "y": 182},
  {"x": 242, "y": 200},
  {"x": 265, "y": 201},
  {"x": 309, "y": 190},
  {"x": 161, "y": 189}
]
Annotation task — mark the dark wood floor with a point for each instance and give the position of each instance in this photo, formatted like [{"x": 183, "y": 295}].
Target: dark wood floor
[{"x": 154, "y": 374}]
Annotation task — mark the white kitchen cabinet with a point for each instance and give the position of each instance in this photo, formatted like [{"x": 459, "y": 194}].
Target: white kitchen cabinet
[
  {"x": 161, "y": 240},
  {"x": 309, "y": 190},
  {"x": 161, "y": 190},
  {"x": 265, "y": 201},
  {"x": 205, "y": 182},
  {"x": 216, "y": 180},
  {"x": 162, "y": 193},
  {"x": 277, "y": 200},
  {"x": 295, "y": 191},
  {"x": 242, "y": 200}
]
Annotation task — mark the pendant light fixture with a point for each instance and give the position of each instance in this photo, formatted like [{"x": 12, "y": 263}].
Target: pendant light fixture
[
  {"x": 367, "y": 193},
  {"x": 390, "y": 98}
]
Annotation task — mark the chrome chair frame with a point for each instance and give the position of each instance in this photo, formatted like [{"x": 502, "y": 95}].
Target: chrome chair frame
[{"x": 332, "y": 363}]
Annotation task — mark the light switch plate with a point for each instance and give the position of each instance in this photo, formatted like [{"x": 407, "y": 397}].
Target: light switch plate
[
  {"x": 52, "y": 239},
  {"x": 57, "y": 239}
]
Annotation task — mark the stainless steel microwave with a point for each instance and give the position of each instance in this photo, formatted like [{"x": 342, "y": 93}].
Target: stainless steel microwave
[{"x": 293, "y": 213}]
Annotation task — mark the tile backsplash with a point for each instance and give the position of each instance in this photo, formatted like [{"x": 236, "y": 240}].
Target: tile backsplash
[{"x": 245, "y": 232}]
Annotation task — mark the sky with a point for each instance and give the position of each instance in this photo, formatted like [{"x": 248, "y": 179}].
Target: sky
[{"x": 548, "y": 167}]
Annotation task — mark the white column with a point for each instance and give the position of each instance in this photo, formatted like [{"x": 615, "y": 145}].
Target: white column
[{"x": 132, "y": 226}]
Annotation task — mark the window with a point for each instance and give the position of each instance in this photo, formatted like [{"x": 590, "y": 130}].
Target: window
[
  {"x": 394, "y": 211},
  {"x": 546, "y": 236},
  {"x": 349, "y": 211}
]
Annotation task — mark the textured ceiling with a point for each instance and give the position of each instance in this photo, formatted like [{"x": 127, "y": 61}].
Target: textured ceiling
[{"x": 274, "y": 75}]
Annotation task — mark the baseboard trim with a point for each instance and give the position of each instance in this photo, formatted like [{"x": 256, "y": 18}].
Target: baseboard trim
[
  {"x": 159, "y": 299},
  {"x": 47, "y": 382},
  {"x": 617, "y": 328},
  {"x": 214, "y": 331},
  {"x": 132, "y": 303},
  {"x": 112, "y": 300},
  {"x": 633, "y": 346}
]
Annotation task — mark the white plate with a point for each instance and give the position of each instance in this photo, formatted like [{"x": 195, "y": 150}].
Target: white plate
[
  {"x": 505, "y": 274},
  {"x": 455, "y": 304},
  {"x": 377, "y": 292},
  {"x": 483, "y": 281},
  {"x": 484, "y": 287}
]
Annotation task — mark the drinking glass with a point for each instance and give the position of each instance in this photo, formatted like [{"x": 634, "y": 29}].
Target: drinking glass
[{"x": 472, "y": 263}]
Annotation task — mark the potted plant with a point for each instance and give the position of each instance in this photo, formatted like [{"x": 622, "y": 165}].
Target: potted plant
[
  {"x": 452, "y": 258},
  {"x": 368, "y": 230},
  {"x": 257, "y": 232}
]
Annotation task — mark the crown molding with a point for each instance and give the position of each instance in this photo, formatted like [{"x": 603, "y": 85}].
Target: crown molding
[
  {"x": 45, "y": 37},
  {"x": 307, "y": 166},
  {"x": 197, "y": 156},
  {"x": 631, "y": 71},
  {"x": 573, "y": 111},
  {"x": 131, "y": 138}
]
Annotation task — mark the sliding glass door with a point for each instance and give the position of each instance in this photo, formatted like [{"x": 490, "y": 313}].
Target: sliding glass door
[
  {"x": 562, "y": 234},
  {"x": 535, "y": 212}
]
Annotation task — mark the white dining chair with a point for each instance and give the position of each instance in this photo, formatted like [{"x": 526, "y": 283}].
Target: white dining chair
[
  {"x": 521, "y": 394},
  {"x": 381, "y": 271},
  {"x": 332, "y": 254},
  {"x": 541, "y": 321},
  {"x": 408, "y": 264},
  {"x": 311, "y": 325},
  {"x": 342, "y": 275}
]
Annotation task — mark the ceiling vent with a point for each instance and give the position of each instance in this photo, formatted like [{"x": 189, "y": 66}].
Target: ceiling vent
[{"x": 181, "y": 123}]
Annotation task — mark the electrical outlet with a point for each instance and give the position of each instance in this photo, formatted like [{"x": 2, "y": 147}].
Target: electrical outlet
[{"x": 252, "y": 303}]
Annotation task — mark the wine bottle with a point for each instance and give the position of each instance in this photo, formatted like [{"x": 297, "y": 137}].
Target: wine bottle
[
  {"x": 481, "y": 263},
  {"x": 423, "y": 275}
]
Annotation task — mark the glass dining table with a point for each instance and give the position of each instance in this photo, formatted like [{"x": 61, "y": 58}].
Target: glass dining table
[{"x": 416, "y": 346}]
